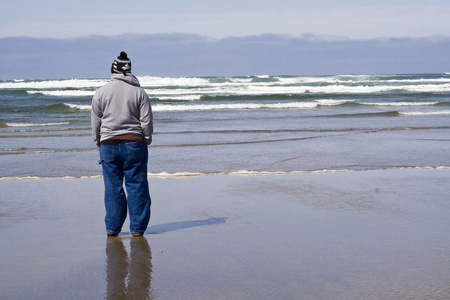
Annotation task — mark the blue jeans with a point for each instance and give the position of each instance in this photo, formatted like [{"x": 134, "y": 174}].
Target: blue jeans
[{"x": 126, "y": 161}]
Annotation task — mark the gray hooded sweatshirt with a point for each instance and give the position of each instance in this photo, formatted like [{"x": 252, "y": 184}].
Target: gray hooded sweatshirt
[{"x": 121, "y": 107}]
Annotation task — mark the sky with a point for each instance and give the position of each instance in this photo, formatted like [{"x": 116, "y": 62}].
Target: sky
[
  {"x": 67, "y": 39},
  {"x": 354, "y": 19}
]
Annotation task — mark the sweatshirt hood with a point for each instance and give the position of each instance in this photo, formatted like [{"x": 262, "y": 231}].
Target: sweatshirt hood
[{"x": 128, "y": 78}]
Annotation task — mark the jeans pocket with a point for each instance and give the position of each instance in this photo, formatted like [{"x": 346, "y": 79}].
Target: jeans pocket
[
  {"x": 106, "y": 153},
  {"x": 136, "y": 152}
]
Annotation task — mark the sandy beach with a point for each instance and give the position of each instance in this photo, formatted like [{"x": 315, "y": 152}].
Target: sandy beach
[{"x": 343, "y": 235}]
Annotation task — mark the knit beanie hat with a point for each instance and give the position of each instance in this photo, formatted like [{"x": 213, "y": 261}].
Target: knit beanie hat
[{"x": 122, "y": 64}]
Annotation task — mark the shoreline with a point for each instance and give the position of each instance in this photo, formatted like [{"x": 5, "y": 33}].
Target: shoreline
[
  {"x": 233, "y": 173},
  {"x": 374, "y": 234}
]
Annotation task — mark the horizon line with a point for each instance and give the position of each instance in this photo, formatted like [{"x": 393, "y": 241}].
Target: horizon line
[{"x": 303, "y": 36}]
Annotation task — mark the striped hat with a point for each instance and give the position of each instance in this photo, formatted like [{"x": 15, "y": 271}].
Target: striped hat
[{"x": 122, "y": 64}]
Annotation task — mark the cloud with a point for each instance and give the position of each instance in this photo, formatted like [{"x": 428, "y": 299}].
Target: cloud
[{"x": 194, "y": 55}]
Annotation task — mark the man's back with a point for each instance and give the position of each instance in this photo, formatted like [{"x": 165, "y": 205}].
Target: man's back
[{"x": 122, "y": 107}]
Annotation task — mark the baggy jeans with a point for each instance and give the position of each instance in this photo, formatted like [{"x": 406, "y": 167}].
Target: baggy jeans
[{"x": 126, "y": 162}]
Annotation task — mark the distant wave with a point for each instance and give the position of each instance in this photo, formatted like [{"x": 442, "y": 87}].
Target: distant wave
[
  {"x": 331, "y": 102},
  {"x": 177, "y": 97},
  {"x": 183, "y": 92},
  {"x": 66, "y": 93},
  {"x": 53, "y": 84},
  {"x": 151, "y": 81},
  {"x": 36, "y": 124},
  {"x": 234, "y": 106},
  {"x": 158, "y": 107},
  {"x": 429, "y": 113},
  {"x": 190, "y": 88},
  {"x": 345, "y": 81},
  {"x": 400, "y": 103},
  {"x": 79, "y": 106},
  {"x": 279, "y": 89},
  {"x": 392, "y": 114},
  {"x": 287, "y": 105},
  {"x": 241, "y": 106},
  {"x": 370, "y": 114}
]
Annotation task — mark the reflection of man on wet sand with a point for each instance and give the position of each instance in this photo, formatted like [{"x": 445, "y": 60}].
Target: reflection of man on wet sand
[{"x": 138, "y": 267}]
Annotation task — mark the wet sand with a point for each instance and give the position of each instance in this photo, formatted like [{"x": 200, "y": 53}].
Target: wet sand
[{"x": 353, "y": 235}]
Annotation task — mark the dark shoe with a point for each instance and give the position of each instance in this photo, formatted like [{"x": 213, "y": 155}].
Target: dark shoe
[
  {"x": 136, "y": 234},
  {"x": 112, "y": 234}
]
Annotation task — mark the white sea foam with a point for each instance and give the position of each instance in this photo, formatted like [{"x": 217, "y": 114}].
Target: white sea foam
[
  {"x": 78, "y": 106},
  {"x": 236, "y": 173},
  {"x": 176, "y": 174},
  {"x": 421, "y": 80},
  {"x": 179, "y": 97},
  {"x": 290, "y": 105},
  {"x": 227, "y": 81},
  {"x": 183, "y": 92},
  {"x": 331, "y": 102},
  {"x": 12, "y": 149},
  {"x": 429, "y": 113},
  {"x": 67, "y": 93},
  {"x": 247, "y": 172},
  {"x": 150, "y": 81},
  {"x": 193, "y": 87},
  {"x": 54, "y": 84},
  {"x": 400, "y": 103},
  {"x": 36, "y": 124},
  {"x": 234, "y": 106},
  {"x": 271, "y": 89},
  {"x": 324, "y": 171}
]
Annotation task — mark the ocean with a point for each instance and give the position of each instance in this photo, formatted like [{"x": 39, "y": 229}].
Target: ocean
[{"x": 242, "y": 124}]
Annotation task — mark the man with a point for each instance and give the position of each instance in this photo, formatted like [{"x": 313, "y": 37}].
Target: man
[{"x": 122, "y": 126}]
